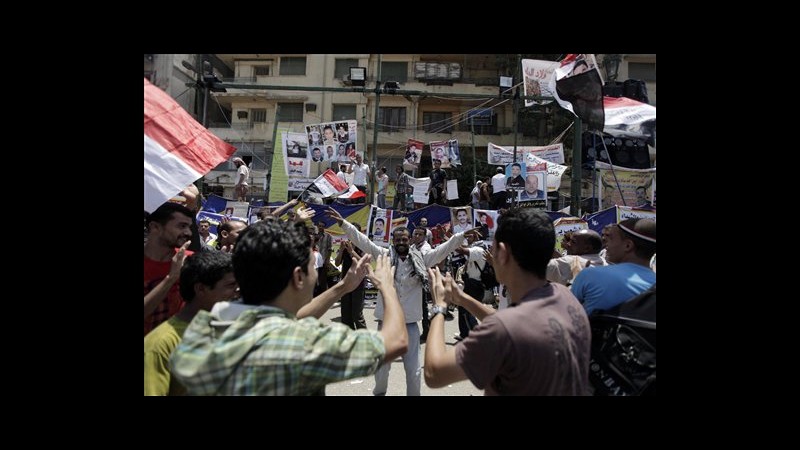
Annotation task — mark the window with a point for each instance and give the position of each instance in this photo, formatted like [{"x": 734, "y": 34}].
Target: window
[
  {"x": 642, "y": 71},
  {"x": 290, "y": 112},
  {"x": 344, "y": 112},
  {"x": 391, "y": 119},
  {"x": 258, "y": 115},
  {"x": 437, "y": 122},
  {"x": 394, "y": 71},
  {"x": 293, "y": 65},
  {"x": 261, "y": 70},
  {"x": 343, "y": 66},
  {"x": 488, "y": 129}
]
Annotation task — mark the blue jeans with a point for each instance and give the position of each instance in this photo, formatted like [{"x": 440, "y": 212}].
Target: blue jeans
[{"x": 410, "y": 363}]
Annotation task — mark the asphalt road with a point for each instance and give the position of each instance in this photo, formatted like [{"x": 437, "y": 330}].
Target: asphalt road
[{"x": 397, "y": 379}]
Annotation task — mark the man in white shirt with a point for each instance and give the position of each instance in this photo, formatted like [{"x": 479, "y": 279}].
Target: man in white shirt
[
  {"x": 242, "y": 174},
  {"x": 408, "y": 262},
  {"x": 361, "y": 175},
  {"x": 499, "y": 189}
]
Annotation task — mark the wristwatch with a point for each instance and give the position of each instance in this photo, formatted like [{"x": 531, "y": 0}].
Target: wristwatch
[{"x": 436, "y": 309}]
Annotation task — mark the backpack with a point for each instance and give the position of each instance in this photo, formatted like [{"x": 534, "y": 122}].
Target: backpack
[{"x": 488, "y": 277}]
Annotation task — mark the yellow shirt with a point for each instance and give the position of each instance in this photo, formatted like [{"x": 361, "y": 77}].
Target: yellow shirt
[{"x": 158, "y": 346}]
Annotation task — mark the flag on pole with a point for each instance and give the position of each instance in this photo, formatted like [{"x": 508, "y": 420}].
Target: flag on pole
[
  {"x": 353, "y": 192},
  {"x": 177, "y": 149},
  {"x": 629, "y": 118},
  {"x": 328, "y": 184},
  {"x": 579, "y": 89}
]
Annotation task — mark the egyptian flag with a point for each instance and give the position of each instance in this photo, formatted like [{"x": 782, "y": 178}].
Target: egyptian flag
[
  {"x": 626, "y": 117},
  {"x": 579, "y": 89},
  {"x": 328, "y": 184},
  {"x": 353, "y": 192},
  {"x": 177, "y": 149}
]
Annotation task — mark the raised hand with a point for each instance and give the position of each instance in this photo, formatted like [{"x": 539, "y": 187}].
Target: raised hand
[
  {"x": 357, "y": 271},
  {"x": 383, "y": 275},
  {"x": 177, "y": 261},
  {"x": 333, "y": 214},
  {"x": 438, "y": 290},
  {"x": 304, "y": 214}
]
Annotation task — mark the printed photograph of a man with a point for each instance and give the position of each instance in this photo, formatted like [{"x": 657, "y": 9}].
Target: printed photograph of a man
[{"x": 533, "y": 181}]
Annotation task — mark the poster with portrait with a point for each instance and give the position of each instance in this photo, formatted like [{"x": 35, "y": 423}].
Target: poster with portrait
[
  {"x": 296, "y": 161},
  {"x": 537, "y": 75},
  {"x": 487, "y": 220},
  {"x": 439, "y": 152},
  {"x": 453, "y": 152},
  {"x": 554, "y": 171},
  {"x": 382, "y": 223},
  {"x": 413, "y": 154},
  {"x": 461, "y": 219},
  {"x": 635, "y": 186},
  {"x": 336, "y": 140},
  {"x": 515, "y": 178},
  {"x": 534, "y": 180}
]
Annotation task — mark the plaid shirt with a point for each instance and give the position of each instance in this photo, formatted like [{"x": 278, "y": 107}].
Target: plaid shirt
[{"x": 267, "y": 351}]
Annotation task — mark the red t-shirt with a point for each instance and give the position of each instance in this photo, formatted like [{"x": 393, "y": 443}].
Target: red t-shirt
[{"x": 154, "y": 272}]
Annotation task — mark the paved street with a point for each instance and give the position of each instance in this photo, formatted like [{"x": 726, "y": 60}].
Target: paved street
[{"x": 397, "y": 379}]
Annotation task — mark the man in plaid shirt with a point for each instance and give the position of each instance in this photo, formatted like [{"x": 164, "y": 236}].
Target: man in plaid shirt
[{"x": 274, "y": 343}]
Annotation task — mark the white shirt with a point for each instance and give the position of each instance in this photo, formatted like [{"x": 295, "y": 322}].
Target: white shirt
[
  {"x": 360, "y": 174},
  {"x": 499, "y": 183},
  {"x": 409, "y": 289},
  {"x": 243, "y": 170}
]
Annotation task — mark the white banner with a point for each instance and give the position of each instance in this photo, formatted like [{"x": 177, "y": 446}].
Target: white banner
[
  {"x": 500, "y": 155},
  {"x": 419, "y": 188},
  {"x": 452, "y": 189},
  {"x": 554, "y": 171},
  {"x": 537, "y": 75}
]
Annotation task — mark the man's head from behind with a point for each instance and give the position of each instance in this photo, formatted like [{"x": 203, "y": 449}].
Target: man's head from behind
[
  {"x": 583, "y": 242},
  {"x": 207, "y": 278},
  {"x": 280, "y": 249},
  {"x": 530, "y": 237}
]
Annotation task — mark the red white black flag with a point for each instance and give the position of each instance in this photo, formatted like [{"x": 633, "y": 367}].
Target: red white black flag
[
  {"x": 579, "y": 89},
  {"x": 177, "y": 149}
]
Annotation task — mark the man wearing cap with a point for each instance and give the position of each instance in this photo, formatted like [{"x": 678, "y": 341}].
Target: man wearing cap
[
  {"x": 629, "y": 246},
  {"x": 242, "y": 174}
]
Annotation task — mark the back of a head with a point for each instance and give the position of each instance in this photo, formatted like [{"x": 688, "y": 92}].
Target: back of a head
[
  {"x": 203, "y": 267},
  {"x": 590, "y": 240},
  {"x": 643, "y": 234},
  {"x": 500, "y": 170},
  {"x": 530, "y": 235},
  {"x": 265, "y": 256}
]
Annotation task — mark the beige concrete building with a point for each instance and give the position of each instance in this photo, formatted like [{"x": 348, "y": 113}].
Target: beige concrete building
[{"x": 247, "y": 117}]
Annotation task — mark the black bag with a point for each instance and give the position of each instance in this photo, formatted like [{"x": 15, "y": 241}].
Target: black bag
[
  {"x": 488, "y": 277},
  {"x": 623, "y": 360}
]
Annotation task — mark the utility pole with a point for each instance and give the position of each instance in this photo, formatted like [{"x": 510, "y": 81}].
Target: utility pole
[
  {"x": 375, "y": 130},
  {"x": 575, "y": 185},
  {"x": 474, "y": 159}
]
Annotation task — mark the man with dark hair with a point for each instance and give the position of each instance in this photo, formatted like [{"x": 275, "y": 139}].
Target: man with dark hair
[
  {"x": 630, "y": 245},
  {"x": 498, "y": 189},
  {"x": 438, "y": 189},
  {"x": 206, "y": 278},
  {"x": 274, "y": 343},
  {"x": 411, "y": 279},
  {"x": 539, "y": 346},
  {"x": 516, "y": 180},
  {"x": 169, "y": 234}
]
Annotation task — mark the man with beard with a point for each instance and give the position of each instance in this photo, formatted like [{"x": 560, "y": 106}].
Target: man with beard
[
  {"x": 164, "y": 252},
  {"x": 410, "y": 279}
]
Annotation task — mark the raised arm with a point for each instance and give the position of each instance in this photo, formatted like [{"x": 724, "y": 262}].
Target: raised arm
[
  {"x": 282, "y": 209},
  {"x": 320, "y": 304},
  {"x": 356, "y": 237},
  {"x": 441, "y": 367}
]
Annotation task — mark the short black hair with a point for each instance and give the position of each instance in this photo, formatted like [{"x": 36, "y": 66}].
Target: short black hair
[
  {"x": 164, "y": 213},
  {"x": 272, "y": 247},
  {"x": 530, "y": 236},
  {"x": 206, "y": 268},
  {"x": 516, "y": 165}
]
